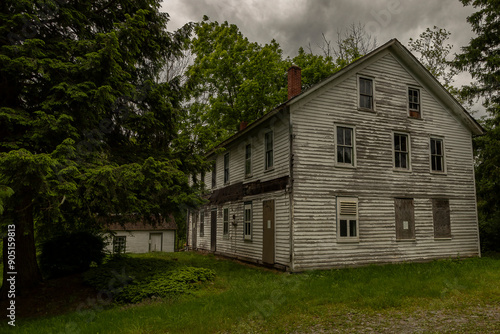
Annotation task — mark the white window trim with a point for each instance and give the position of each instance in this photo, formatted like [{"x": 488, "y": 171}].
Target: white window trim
[
  {"x": 408, "y": 87},
  {"x": 340, "y": 216},
  {"x": 228, "y": 168},
  {"x": 214, "y": 168},
  {"x": 251, "y": 160},
  {"x": 354, "y": 153},
  {"x": 397, "y": 169},
  {"x": 248, "y": 205},
  {"x": 359, "y": 76},
  {"x": 265, "y": 152},
  {"x": 444, "y": 172}
]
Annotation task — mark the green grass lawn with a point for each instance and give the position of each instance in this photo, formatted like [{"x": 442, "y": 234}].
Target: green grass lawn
[{"x": 440, "y": 296}]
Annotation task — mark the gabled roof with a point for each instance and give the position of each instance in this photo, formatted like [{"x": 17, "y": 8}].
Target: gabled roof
[
  {"x": 142, "y": 225},
  {"x": 406, "y": 58}
]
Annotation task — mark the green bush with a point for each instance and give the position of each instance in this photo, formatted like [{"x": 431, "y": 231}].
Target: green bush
[{"x": 71, "y": 253}]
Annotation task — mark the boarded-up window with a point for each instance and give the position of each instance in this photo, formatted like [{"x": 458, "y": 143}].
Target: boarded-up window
[
  {"x": 405, "y": 219},
  {"x": 441, "y": 218}
]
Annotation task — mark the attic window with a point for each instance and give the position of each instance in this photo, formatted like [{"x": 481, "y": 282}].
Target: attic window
[
  {"x": 366, "y": 93},
  {"x": 414, "y": 102}
]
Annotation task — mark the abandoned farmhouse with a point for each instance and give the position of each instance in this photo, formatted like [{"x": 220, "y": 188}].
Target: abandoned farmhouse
[{"x": 372, "y": 165}]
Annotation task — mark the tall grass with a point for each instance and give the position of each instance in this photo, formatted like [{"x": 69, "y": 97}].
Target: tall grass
[{"x": 245, "y": 299}]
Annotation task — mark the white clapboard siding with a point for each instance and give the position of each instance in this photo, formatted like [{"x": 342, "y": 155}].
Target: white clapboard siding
[{"x": 318, "y": 181}]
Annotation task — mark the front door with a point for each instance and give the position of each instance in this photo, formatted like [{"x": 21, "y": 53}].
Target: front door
[
  {"x": 268, "y": 232},
  {"x": 155, "y": 242},
  {"x": 213, "y": 230}
]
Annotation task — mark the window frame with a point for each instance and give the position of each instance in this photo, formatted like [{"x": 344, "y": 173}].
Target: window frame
[
  {"x": 372, "y": 80},
  {"x": 349, "y": 217},
  {"x": 249, "y": 223},
  {"x": 214, "y": 175},
  {"x": 352, "y": 164},
  {"x": 418, "y": 113},
  {"x": 267, "y": 166},
  {"x": 226, "y": 168},
  {"x": 248, "y": 160},
  {"x": 117, "y": 241},
  {"x": 408, "y": 151},
  {"x": 443, "y": 156},
  {"x": 225, "y": 223},
  {"x": 202, "y": 223}
]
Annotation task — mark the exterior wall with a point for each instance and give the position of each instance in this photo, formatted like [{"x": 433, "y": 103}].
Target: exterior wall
[
  {"x": 234, "y": 244},
  {"x": 318, "y": 180},
  {"x": 138, "y": 241}
]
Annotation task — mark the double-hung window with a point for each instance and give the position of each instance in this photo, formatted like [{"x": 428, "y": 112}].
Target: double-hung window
[
  {"x": 226, "y": 168},
  {"x": 345, "y": 145},
  {"x": 347, "y": 218},
  {"x": 214, "y": 175},
  {"x": 414, "y": 102},
  {"x": 366, "y": 93},
  {"x": 202, "y": 223},
  {"x": 401, "y": 151},
  {"x": 269, "y": 149},
  {"x": 437, "y": 155},
  {"x": 247, "y": 223},
  {"x": 248, "y": 160}
]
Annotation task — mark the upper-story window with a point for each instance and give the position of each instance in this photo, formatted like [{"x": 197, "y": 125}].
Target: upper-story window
[
  {"x": 366, "y": 93},
  {"x": 345, "y": 145},
  {"x": 401, "y": 151},
  {"x": 248, "y": 160},
  {"x": 437, "y": 155},
  {"x": 414, "y": 102},
  {"x": 226, "y": 168},
  {"x": 269, "y": 149},
  {"x": 214, "y": 175}
]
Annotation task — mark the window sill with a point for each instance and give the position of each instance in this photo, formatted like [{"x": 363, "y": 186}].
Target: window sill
[
  {"x": 344, "y": 240},
  {"x": 442, "y": 239},
  {"x": 438, "y": 173},
  {"x": 341, "y": 165},
  {"x": 366, "y": 109},
  {"x": 247, "y": 239},
  {"x": 225, "y": 237},
  {"x": 401, "y": 170},
  {"x": 417, "y": 118},
  {"x": 248, "y": 176},
  {"x": 406, "y": 240},
  {"x": 269, "y": 169}
]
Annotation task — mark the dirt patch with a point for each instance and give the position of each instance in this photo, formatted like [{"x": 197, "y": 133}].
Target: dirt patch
[{"x": 54, "y": 297}]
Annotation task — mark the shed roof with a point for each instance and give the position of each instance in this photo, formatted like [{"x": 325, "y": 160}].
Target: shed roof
[{"x": 143, "y": 225}]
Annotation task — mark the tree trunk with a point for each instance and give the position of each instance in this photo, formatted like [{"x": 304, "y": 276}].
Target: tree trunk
[{"x": 23, "y": 271}]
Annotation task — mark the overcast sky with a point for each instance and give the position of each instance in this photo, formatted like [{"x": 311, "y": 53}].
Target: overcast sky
[{"x": 295, "y": 23}]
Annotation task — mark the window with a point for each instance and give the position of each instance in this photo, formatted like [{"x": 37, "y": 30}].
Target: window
[
  {"x": 345, "y": 145},
  {"x": 347, "y": 218},
  {"x": 269, "y": 150},
  {"x": 405, "y": 220},
  {"x": 441, "y": 218},
  {"x": 226, "y": 168},
  {"x": 202, "y": 223},
  {"x": 247, "y": 226},
  {"x": 248, "y": 160},
  {"x": 214, "y": 175},
  {"x": 366, "y": 93},
  {"x": 437, "y": 155},
  {"x": 225, "y": 227},
  {"x": 401, "y": 151},
  {"x": 119, "y": 244},
  {"x": 414, "y": 102}
]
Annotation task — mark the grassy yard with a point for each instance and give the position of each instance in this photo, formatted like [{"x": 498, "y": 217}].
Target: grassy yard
[{"x": 436, "y": 297}]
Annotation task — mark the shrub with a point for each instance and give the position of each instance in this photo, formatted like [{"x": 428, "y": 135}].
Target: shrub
[{"x": 71, "y": 253}]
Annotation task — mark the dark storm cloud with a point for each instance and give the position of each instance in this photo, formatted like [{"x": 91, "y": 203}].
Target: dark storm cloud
[{"x": 300, "y": 23}]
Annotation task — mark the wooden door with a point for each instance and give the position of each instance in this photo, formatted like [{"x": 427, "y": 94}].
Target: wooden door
[
  {"x": 155, "y": 241},
  {"x": 213, "y": 230},
  {"x": 194, "y": 230},
  {"x": 268, "y": 232}
]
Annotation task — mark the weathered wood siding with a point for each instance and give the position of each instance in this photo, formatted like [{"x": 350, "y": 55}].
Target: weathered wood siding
[
  {"x": 234, "y": 244},
  {"x": 318, "y": 180}
]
